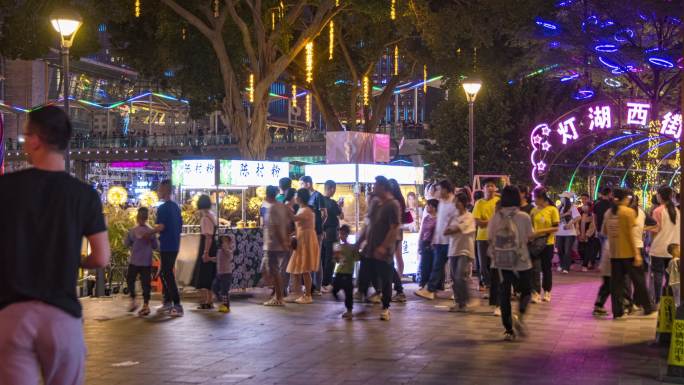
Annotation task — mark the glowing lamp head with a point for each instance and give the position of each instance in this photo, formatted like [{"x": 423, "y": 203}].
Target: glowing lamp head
[
  {"x": 66, "y": 22},
  {"x": 471, "y": 88}
]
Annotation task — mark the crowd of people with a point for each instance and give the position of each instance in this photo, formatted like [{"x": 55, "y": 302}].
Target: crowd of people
[{"x": 505, "y": 239}]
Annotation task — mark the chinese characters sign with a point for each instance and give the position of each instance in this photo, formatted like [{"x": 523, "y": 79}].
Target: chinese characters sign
[
  {"x": 252, "y": 172},
  {"x": 194, "y": 173},
  {"x": 595, "y": 118}
]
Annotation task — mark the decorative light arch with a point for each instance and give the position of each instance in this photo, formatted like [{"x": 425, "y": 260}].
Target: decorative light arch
[{"x": 549, "y": 140}]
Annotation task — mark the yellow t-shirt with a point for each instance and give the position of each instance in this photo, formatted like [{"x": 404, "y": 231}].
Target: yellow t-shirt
[
  {"x": 545, "y": 218},
  {"x": 484, "y": 210},
  {"x": 619, "y": 230}
]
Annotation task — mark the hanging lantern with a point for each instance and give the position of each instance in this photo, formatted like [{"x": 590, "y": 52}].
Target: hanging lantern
[
  {"x": 216, "y": 8},
  {"x": 251, "y": 88},
  {"x": 137, "y": 8},
  {"x": 309, "y": 62},
  {"x": 396, "y": 60},
  {"x": 331, "y": 36},
  {"x": 393, "y": 10},
  {"x": 294, "y": 95},
  {"x": 366, "y": 90},
  {"x": 424, "y": 78},
  {"x": 308, "y": 108}
]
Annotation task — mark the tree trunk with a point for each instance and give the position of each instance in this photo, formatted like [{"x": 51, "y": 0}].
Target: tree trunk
[
  {"x": 325, "y": 108},
  {"x": 353, "y": 99},
  {"x": 381, "y": 103}
]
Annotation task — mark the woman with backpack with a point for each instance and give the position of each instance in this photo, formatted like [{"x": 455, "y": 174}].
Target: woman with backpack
[{"x": 508, "y": 232}]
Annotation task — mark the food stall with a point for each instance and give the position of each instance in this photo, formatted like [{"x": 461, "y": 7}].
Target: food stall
[
  {"x": 220, "y": 179},
  {"x": 353, "y": 180}
]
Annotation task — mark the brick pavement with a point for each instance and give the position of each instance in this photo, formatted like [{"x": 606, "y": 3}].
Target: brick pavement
[{"x": 422, "y": 344}]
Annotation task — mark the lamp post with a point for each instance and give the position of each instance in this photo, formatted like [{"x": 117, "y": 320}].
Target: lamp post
[
  {"x": 66, "y": 22},
  {"x": 471, "y": 88}
]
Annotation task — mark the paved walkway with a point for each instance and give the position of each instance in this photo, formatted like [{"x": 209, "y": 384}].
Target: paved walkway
[{"x": 422, "y": 344}]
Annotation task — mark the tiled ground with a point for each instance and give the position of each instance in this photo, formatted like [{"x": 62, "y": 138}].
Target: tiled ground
[{"x": 422, "y": 344}]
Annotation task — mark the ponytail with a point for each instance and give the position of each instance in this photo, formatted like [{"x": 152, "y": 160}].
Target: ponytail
[{"x": 665, "y": 193}]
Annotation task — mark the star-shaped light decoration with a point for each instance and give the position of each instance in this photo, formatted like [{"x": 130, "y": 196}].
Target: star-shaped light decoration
[
  {"x": 536, "y": 139},
  {"x": 541, "y": 166},
  {"x": 546, "y": 145},
  {"x": 546, "y": 131}
]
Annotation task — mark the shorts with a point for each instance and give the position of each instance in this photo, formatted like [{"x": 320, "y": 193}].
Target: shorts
[{"x": 275, "y": 262}]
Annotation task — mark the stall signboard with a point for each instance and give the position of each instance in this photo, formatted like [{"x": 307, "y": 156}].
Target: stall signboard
[
  {"x": 346, "y": 173},
  {"x": 252, "y": 172},
  {"x": 403, "y": 174},
  {"x": 340, "y": 173},
  {"x": 193, "y": 173}
]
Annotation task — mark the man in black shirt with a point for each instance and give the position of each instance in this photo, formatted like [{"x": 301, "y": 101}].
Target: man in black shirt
[
  {"x": 41, "y": 233},
  {"x": 331, "y": 225},
  {"x": 600, "y": 208}
]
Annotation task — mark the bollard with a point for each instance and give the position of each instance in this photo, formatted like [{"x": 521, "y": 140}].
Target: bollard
[
  {"x": 666, "y": 317},
  {"x": 675, "y": 356}
]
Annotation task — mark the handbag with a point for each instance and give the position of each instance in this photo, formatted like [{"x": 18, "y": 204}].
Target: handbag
[
  {"x": 407, "y": 217},
  {"x": 537, "y": 245}
]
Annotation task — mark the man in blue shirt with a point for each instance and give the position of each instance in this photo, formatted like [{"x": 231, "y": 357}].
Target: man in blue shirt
[{"x": 169, "y": 225}]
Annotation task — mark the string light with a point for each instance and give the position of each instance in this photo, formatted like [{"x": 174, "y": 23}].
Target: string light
[
  {"x": 337, "y": 3},
  {"x": 272, "y": 20},
  {"x": 251, "y": 88},
  {"x": 332, "y": 40},
  {"x": 393, "y": 10},
  {"x": 396, "y": 60},
  {"x": 309, "y": 62},
  {"x": 308, "y": 108},
  {"x": 424, "y": 78},
  {"x": 216, "y": 8},
  {"x": 183, "y": 33},
  {"x": 366, "y": 88},
  {"x": 137, "y": 8},
  {"x": 294, "y": 95}
]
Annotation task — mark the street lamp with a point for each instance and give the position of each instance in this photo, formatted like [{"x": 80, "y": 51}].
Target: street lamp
[
  {"x": 471, "y": 87},
  {"x": 66, "y": 22}
]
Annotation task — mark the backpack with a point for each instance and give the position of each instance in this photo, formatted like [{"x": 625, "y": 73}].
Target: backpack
[{"x": 506, "y": 250}]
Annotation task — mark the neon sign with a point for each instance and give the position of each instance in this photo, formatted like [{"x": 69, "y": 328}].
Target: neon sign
[{"x": 549, "y": 138}]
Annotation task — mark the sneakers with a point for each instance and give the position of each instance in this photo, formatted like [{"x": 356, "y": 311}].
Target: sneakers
[
  {"x": 485, "y": 296},
  {"x": 497, "y": 311},
  {"x": 316, "y": 293},
  {"x": 375, "y": 298},
  {"x": 385, "y": 315},
  {"x": 326, "y": 289},
  {"x": 304, "y": 300},
  {"x": 599, "y": 311},
  {"x": 176, "y": 311},
  {"x": 559, "y": 269},
  {"x": 458, "y": 309},
  {"x": 358, "y": 296},
  {"x": 509, "y": 336},
  {"x": 547, "y": 296},
  {"x": 273, "y": 302},
  {"x": 519, "y": 326},
  {"x": 564, "y": 271},
  {"x": 223, "y": 308},
  {"x": 536, "y": 298},
  {"x": 584, "y": 269},
  {"x": 165, "y": 308},
  {"x": 425, "y": 293},
  {"x": 400, "y": 297},
  {"x": 133, "y": 306},
  {"x": 347, "y": 314},
  {"x": 145, "y": 311}
]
